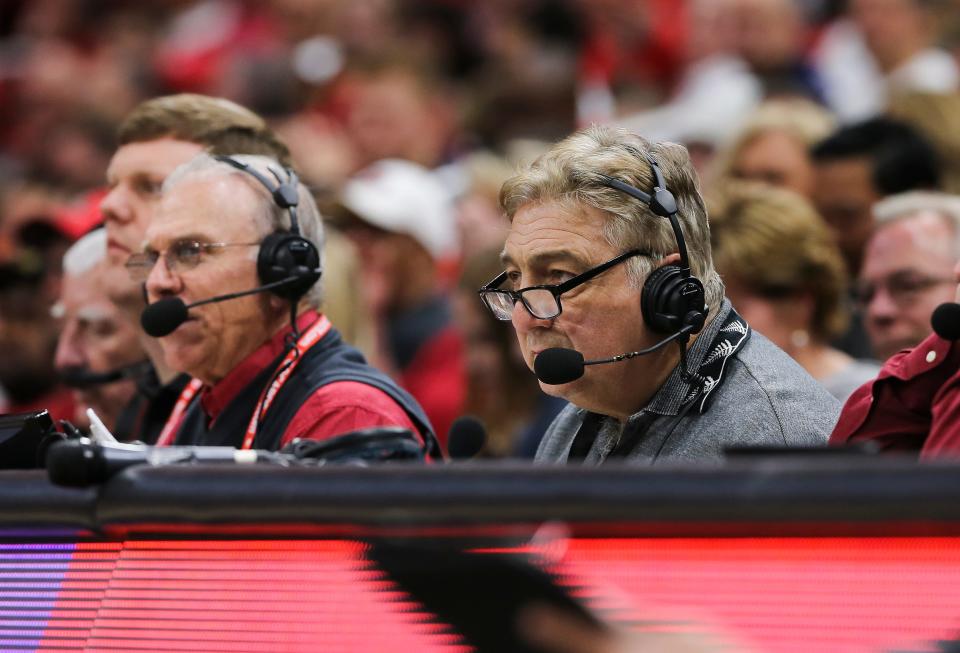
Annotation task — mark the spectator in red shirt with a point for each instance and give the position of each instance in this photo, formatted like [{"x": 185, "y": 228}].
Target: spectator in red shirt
[
  {"x": 907, "y": 267},
  {"x": 258, "y": 381},
  {"x": 913, "y": 404}
]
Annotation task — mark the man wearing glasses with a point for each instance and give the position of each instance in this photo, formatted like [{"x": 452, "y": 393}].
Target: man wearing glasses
[
  {"x": 608, "y": 254},
  {"x": 262, "y": 376},
  {"x": 908, "y": 267},
  {"x": 157, "y": 136},
  {"x": 914, "y": 403}
]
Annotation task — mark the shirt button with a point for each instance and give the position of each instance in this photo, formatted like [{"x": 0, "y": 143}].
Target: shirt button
[{"x": 931, "y": 356}]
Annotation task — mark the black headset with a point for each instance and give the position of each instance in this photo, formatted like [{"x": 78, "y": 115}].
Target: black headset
[
  {"x": 672, "y": 297},
  {"x": 284, "y": 255}
]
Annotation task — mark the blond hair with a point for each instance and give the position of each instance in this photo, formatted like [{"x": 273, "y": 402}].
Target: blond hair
[
  {"x": 221, "y": 126},
  {"x": 775, "y": 244},
  {"x": 936, "y": 116},
  {"x": 805, "y": 121}
]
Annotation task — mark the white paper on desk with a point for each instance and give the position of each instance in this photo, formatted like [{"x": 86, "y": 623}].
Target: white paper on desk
[{"x": 98, "y": 430}]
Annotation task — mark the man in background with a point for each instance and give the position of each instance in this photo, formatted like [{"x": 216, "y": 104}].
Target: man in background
[
  {"x": 914, "y": 403},
  {"x": 855, "y": 167},
  {"x": 908, "y": 267},
  {"x": 156, "y": 137},
  {"x": 860, "y": 164},
  {"x": 98, "y": 352}
]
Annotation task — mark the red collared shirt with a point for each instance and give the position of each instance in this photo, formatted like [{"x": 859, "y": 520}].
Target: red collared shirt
[
  {"x": 334, "y": 409},
  {"x": 912, "y": 405}
]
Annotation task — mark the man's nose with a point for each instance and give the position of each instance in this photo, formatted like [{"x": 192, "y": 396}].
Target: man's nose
[
  {"x": 69, "y": 351},
  {"x": 524, "y": 320},
  {"x": 115, "y": 206},
  {"x": 162, "y": 281},
  {"x": 882, "y": 307}
]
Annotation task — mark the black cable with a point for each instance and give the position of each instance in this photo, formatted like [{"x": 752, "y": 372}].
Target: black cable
[
  {"x": 688, "y": 377},
  {"x": 685, "y": 373}
]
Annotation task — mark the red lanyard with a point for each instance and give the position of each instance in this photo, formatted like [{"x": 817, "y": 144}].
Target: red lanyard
[
  {"x": 176, "y": 415},
  {"x": 289, "y": 363}
]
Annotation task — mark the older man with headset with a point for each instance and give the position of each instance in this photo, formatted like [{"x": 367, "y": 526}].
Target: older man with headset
[
  {"x": 608, "y": 259},
  {"x": 232, "y": 266}
]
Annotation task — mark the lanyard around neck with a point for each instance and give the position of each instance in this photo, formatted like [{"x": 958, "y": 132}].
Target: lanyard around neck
[{"x": 309, "y": 338}]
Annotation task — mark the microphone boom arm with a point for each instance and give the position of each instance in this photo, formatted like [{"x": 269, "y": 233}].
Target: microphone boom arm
[
  {"x": 244, "y": 293},
  {"x": 683, "y": 334}
]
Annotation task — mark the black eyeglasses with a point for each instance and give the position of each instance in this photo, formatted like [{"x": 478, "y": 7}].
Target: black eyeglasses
[
  {"x": 181, "y": 255},
  {"x": 543, "y": 302}
]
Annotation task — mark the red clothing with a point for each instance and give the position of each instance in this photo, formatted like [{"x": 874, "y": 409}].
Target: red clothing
[
  {"x": 436, "y": 377},
  {"x": 912, "y": 405},
  {"x": 334, "y": 409},
  {"x": 61, "y": 403},
  {"x": 654, "y": 59}
]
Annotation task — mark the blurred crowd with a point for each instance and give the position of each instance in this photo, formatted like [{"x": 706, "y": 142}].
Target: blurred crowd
[{"x": 404, "y": 117}]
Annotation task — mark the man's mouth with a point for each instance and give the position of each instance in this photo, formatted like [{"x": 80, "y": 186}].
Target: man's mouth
[{"x": 116, "y": 246}]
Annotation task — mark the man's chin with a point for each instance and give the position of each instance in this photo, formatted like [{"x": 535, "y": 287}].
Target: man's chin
[
  {"x": 123, "y": 292},
  {"x": 892, "y": 347},
  {"x": 561, "y": 390},
  {"x": 180, "y": 356}
]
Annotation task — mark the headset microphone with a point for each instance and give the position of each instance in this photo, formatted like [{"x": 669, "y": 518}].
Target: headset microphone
[
  {"x": 672, "y": 300},
  {"x": 557, "y": 365},
  {"x": 81, "y": 376},
  {"x": 946, "y": 321},
  {"x": 466, "y": 437},
  {"x": 162, "y": 317}
]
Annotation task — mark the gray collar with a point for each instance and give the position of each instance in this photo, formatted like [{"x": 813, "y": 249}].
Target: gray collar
[{"x": 726, "y": 334}]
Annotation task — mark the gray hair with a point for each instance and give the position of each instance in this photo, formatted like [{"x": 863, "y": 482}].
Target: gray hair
[
  {"x": 82, "y": 258},
  {"x": 904, "y": 205},
  {"x": 273, "y": 217},
  {"x": 571, "y": 173},
  {"x": 86, "y": 253}
]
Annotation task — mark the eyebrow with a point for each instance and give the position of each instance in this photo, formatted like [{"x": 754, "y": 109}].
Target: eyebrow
[
  {"x": 200, "y": 238},
  {"x": 543, "y": 258},
  {"x": 93, "y": 314}
]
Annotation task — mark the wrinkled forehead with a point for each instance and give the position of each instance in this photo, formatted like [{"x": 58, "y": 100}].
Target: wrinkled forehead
[
  {"x": 924, "y": 239},
  {"x": 552, "y": 231},
  {"x": 207, "y": 208},
  {"x": 156, "y": 158}
]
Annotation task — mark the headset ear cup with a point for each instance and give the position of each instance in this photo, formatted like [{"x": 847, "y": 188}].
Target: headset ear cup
[
  {"x": 285, "y": 255},
  {"x": 672, "y": 299},
  {"x": 651, "y": 301}
]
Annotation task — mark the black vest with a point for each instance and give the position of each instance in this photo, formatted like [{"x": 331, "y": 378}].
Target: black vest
[{"x": 328, "y": 361}]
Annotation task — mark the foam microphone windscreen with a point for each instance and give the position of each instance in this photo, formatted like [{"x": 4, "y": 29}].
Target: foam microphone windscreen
[
  {"x": 558, "y": 365},
  {"x": 466, "y": 437},
  {"x": 162, "y": 318},
  {"x": 946, "y": 321}
]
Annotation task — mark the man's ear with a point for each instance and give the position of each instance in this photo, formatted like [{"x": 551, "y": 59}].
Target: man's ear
[
  {"x": 672, "y": 259},
  {"x": 278, "y": 304}
]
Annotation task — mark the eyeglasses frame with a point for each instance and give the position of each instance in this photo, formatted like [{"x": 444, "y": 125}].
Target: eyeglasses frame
[
  {"x": 556, "y": 289},
  {"x": 131, "y": 265}
]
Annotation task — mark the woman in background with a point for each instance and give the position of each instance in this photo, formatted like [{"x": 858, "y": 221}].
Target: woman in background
[
  {"x": 773, "y": 146},
  {"x": 784, "y": 274}
]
